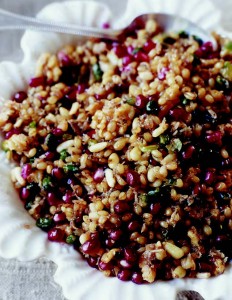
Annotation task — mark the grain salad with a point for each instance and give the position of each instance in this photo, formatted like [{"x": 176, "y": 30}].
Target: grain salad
[{"x": 124, "y": 151}]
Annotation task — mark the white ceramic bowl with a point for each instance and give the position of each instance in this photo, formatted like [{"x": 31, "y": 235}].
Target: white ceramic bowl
[{"x": 19, "y": 237}]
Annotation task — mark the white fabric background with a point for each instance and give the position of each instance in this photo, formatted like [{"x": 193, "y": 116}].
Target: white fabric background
[{"x": 29, "y": 280}]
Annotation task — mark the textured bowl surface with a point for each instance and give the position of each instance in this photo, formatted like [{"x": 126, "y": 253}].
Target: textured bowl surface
[{"x": 20, "y": 238}]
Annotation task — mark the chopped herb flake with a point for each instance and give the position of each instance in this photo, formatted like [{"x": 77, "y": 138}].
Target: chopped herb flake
[
  {"x": 32, "y": 124},
  {"x": 44, "y": 223},
  {"x": 226, "y": 71},
  {"x": 136, "y": 50},
  {"x": 70, "y": 239},
  {"x": 176, "y": 144},
  {"x": 4, "y": 146},
  {"x": 149, "y": 148},
  {"x": 164, "y": 139},
  {"x": 131, "y": 101},
  {"x": 63, "y": 154},
  {"x": 70, "y": 168},
  {"x": 228, "y": 46},
  {"x": 67, "y": 136},
  {"x": 97, "y": 72},
  {"x": 47, "y": 182}
]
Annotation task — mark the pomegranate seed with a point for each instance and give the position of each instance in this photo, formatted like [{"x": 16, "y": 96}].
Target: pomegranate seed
[
  {"x": 110, "y": 243},
  {"x": 67, "y": 198},
  {"x": 20, "y": 96},
  {"x": 98, "y": 175},
  {"x": 64, "y": 59},
  {"x": 121, "y": 207},
  {"x": 137, "y": 278},
  {"x": 49, "y": 155},
  {"x": 124, "y": 275},
  {"x": 209, "y": 177},
  {"x": 105, "y": 266},
  {"x": 11, "y": 132},
  {"x": 106, "y": 25},
  {"x": 141, "y": 101},
  {"x": 59, "y": 217},
  {"x": 126, "y": 60},
  {"x": 197, "y": 189},
  {"x": 119, "y": 50},
  {"x": 155, "y": 208},
  {"x": 214, "y": 138},
  {"x": 71, "y": 95},
  {"x": 133, "y": 226},
  {"x": 25, "y": 193},
  {"x": 148, "y": 46},
  {"x": 81, "y": 88},
  {"x": 125, "y": 264},
  {"x": 26, "y": 171},
  {"x": 92, "y": 261},
  {"x": 116, "y": 234},
  {"x": 57, "y": 132},
  {"x": 55, "y": 235},
  {"x": 188, "y": 153},
  {"x": 91, "y": 247},
  {"x": 141, "y": 57},
  {"x": 52, "y": 199},
  {"x": 205, "y": 51},
  {"x": 37, "y": 81},
  {"x": 130, "y": 255},
  {"x": 133, "y": 178},
  {"x": 58, "y": 173},
  {"x": 178, "y": 114},
  {"x": 162, "y": 73},
  {"x": 130, "y": 50}
]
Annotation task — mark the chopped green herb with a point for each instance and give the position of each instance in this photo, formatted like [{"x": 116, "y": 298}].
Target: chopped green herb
[
  {"x": 70, "y": 239},
  {"x": 70, "y": 168},
  {"x": 169, "y": 40},
  {"x": 136, "y": 50},
  {"x": 4, "y": 146},
  {"x": 176, "y": 144},
  {"x": 32, "y": 160},
  {"x": 226, "y": 71},
  {"x": 228, "y": 46},
  {"x": 222, "y": 83},
  {"x": 47, "y": 182},
  {"x": 67, "y": 136},
  {"x": 164, "y": 139},
  {"x": 63, "y": 154},
  {"x": 91, "y": 142},
  {"x": 32, "y": 124},
  {"x": 28, "y": 205},
  {"x": 153, "y": 193},
  {"x": 97, "y": 72},
  {"x": 143, "y": 200},
  {"x": 130, "y": 101},
  {"x": 149, "y": 148},
  {"x": 152, "y": 107},
  {"x": 30, "y": 186},
  {"x": 50, "y": 140},
  {"x": 183, "y": 34},
  {"x": 198, "y": 40},
  {"x": 44, "y": 223}
]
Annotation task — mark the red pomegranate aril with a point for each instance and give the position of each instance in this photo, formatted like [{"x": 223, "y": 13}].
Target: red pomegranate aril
[
  {"x": 155, "y": 208},
  {"x": 105, "y": 266},
  {"x": 91, "y": 247},
  {"x": 37, "y": 81},
  {"x": 121, "y": 207},
  {"x": 116, "y": 234},
  {"x": 98, "y": 175},
  {"x": 59, "y": 217},
  {"x": 130, "y": 49},
  {"x": 55, "y": 235},
  {"x": 52, "y": 199},
  {"x": 141, "y": 57},
  {"x": 197, "y": 189},
  {"x": 178, "y": 114},
  {"x": 148, "y": 46},
  {"x": 25, "y": 193},
  {"x": 137, "y": 278},
  {"x": 133, "y": 178},
  {"x": 214, "y": 137},
  {"x": 64, "y": 59},
  {"x": 20, "y": 96},
  {"x": 110, "y": 243},
  {"x": 133, "y": 226},
  {"x": 58, "y": 173},
  {"x": 209, "y": 177},
  {"x": 67, "y": 198},
  {"x": 126, "y": 60},
  {"x": 130, "y": 254},
  {"x": 92, "y": 261},
  {"x": 124, "y": 275},
  {"x": 26, "y": 171},
  {"x": 49, "y": 155},
  {"x": 162, "y": 73},
  {"x": 81, "y": 88},
  {"x": 13, "y": 131},
  {"x": 125, "y": 264},
  {"x": 119, "y": 50},
  {"x": 71, "y": 95},
  {"x": 188, "y": 153},
  {"x": 57, "y": 132},
  {"x": 141, "y": 101}
]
